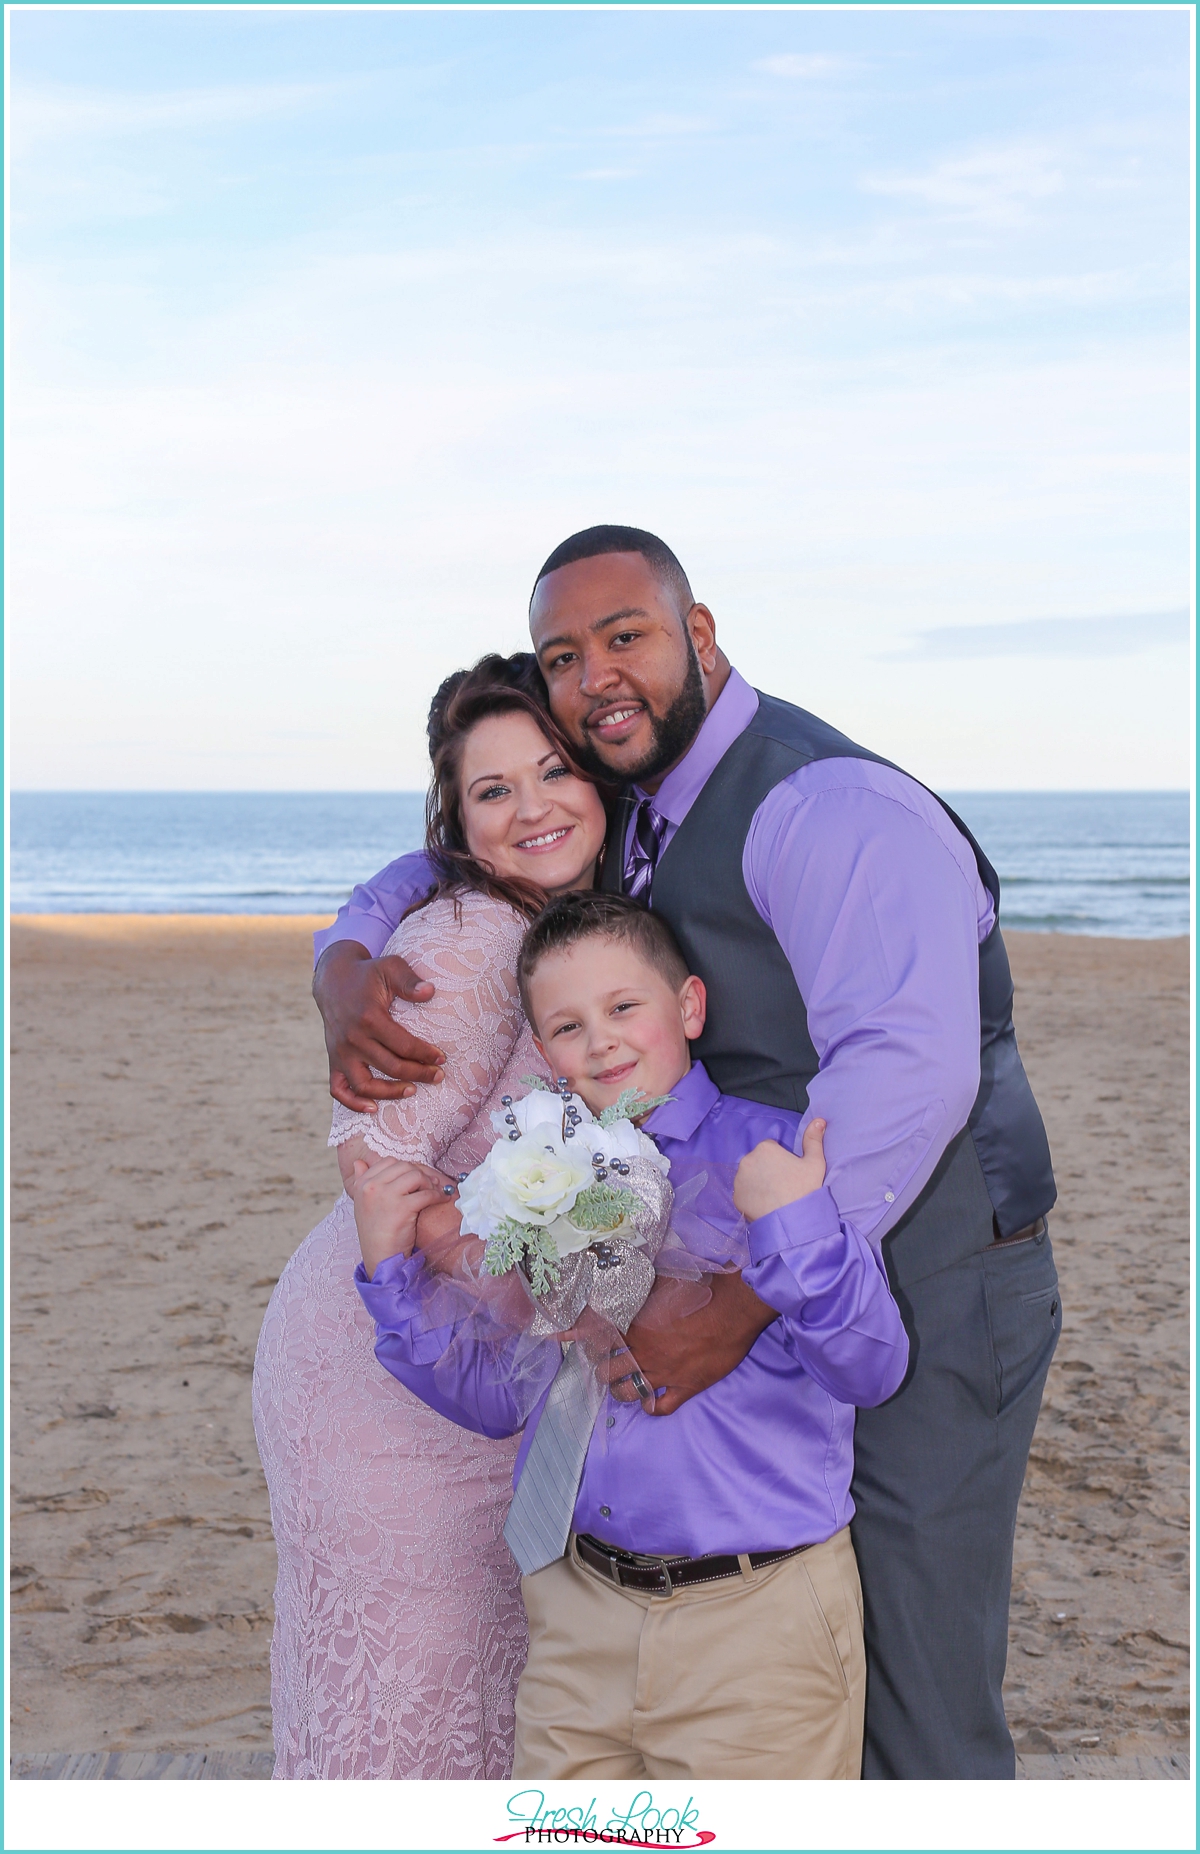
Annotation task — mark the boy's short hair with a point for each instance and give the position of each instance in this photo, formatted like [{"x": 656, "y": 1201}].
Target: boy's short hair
[{"x": 587, "y": 914}]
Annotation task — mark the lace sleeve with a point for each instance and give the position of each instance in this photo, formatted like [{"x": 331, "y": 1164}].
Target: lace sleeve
[{"x": 474, "y": 1016}]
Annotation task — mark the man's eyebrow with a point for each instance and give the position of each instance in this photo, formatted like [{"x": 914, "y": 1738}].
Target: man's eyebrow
[{"x": 599, "y": 624}]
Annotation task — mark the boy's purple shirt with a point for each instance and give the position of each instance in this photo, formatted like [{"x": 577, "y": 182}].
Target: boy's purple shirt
[
  {"x": 761, "y": 1460},
  {"x": 876, "y": 901}
]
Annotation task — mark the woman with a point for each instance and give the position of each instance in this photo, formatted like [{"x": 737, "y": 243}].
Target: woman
[{"x": 399, "y": 1631}]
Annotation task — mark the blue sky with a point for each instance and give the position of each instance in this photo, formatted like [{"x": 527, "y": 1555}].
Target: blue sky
[{"x": 328, "y": 325}]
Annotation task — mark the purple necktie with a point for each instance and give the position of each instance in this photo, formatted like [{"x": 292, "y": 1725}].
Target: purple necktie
[{"x": 649, "y": 829}]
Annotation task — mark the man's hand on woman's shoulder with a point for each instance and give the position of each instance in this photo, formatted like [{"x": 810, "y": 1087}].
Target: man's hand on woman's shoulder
[{"x": 353, "y": 993}]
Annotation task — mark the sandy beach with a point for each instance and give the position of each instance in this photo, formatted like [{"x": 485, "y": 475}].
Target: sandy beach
[{"x": 169, "y": 1115}]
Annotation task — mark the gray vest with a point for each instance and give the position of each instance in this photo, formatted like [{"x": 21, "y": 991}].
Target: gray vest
[{"x": 756, "y": 1040}]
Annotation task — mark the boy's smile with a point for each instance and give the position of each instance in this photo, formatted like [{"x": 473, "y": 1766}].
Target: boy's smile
[{"x": 608, "y": 1020}]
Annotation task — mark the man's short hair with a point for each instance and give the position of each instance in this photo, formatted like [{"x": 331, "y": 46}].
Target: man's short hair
[
  {"x": 611, "y": 538},
  {"x": 589, "y": 915}
]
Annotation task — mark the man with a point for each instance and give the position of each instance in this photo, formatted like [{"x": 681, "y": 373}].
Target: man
[{"x": 845, "y": 924}]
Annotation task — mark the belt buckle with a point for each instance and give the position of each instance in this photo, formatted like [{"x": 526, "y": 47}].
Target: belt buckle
[
  {"x": 663, "y": 1569},
  {"x": 649, "y": 1563}
]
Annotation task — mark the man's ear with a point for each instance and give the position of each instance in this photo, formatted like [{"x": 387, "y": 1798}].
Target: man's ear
[
  {"x": 540, "y": 1047},
  {"x": 693, "y": 1003},
  {"x": 701, "y": 627}
]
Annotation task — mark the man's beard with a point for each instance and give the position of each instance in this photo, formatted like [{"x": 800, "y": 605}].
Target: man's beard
[{"x": 673, "y": 733}]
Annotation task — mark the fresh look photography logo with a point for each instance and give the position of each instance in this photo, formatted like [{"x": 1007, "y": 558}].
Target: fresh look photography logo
[{"x": 640, "y": 1823}]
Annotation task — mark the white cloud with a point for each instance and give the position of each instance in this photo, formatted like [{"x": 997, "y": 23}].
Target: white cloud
[
  {"x": 256, "y": 517},
  {"x": 800, "y": 64},
  {"x": 661, "y": 125},
  {"x": 45, "y": 113},
  {"x": 994, "y": 186},
  {"x": 296, "y": 515},
  {"x": 1123, "y": 636}
]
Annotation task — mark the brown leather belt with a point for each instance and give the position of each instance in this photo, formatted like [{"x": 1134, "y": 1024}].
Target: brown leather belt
[
  {"x": 637, "y": 1571},
  {"x": 1036, "y": 1228}
]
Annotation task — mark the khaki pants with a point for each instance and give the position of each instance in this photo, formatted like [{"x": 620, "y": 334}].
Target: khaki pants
[{"x": 757, "y": 1676}]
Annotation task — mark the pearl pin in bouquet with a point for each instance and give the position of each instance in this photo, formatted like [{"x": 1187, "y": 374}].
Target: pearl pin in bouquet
[{"x": 577, "y": 1203}]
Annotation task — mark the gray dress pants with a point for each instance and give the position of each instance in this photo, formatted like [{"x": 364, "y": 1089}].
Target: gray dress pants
[{"x": 938, "y": 1473}]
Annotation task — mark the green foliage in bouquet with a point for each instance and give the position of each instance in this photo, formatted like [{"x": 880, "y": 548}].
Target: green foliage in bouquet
[
  {"x": 602, "y": 1207},
  {"x": 628, "y": 1103},
  {"x": 599, "y": 1207},
  {"x": 516, "y": 1243}
]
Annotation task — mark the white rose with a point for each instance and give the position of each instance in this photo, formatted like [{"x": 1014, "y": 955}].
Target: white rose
[
  {"x": 569, "y": 1241},
  {"x": 622, "y": 1140},
  {"x": 476, "y": 1219},
  {"x": 533, "y": 1179},
  {"x": 535, "y": 1111}
]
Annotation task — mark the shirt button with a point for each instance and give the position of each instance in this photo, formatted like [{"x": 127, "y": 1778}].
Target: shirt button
[
  {"x": 606, "y": 1512},
  {"x": 610, "y": 1423},
  {"x": 889, "y": 1197}
]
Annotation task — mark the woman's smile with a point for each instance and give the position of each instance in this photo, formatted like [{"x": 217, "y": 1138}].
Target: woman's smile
[{"x": 549, "y": 840}]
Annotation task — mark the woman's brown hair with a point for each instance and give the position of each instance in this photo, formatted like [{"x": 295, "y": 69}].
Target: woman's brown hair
[{"x": 496, "y": 685}]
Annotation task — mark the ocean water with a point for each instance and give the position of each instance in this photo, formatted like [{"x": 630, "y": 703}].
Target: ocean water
[
  {"x": 1093, "y": 862},
  {"x": 203, "y": 852},
  {"x": 1086, "y": 862}
]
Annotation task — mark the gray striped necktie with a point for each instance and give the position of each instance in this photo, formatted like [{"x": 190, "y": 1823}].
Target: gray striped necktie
[
  {"x": 539, "y": 1519},
  {"x": 645, "y": 847}
]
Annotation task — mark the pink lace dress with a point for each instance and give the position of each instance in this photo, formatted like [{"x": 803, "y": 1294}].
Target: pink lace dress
[{"x": 399, "y": 1632}]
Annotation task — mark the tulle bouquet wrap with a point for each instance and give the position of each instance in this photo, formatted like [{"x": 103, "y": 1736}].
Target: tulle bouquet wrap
[{"x": 580, "y": 1209}]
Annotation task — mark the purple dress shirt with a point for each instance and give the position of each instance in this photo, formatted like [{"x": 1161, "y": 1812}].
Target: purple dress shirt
[
  {"x": 875, "y": 899},
  {"x": 758, "y": 1462}
]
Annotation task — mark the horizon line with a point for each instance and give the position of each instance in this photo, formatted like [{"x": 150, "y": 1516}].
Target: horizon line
[{"x": 157, "y": 791}]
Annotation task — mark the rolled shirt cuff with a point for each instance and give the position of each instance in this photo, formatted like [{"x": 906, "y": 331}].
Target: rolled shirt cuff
[
  {"x": 363, "y": 929},
  {"x": 396, "y": 1274},
  {"x": 809, "y": 1219}
]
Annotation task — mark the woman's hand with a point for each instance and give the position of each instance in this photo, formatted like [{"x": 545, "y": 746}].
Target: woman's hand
[
  {"x": 353, "y": 993},
  {"x": 388, "y": 1196},
  {"x": 771, "y": 1176}
]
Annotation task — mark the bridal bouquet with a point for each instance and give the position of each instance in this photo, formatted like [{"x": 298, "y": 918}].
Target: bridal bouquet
[
  {"x": 578, "y": 1204},
  {"x": 580, "y": 1222}
]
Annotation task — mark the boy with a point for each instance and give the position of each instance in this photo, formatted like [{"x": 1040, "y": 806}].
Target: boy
[{"x": 705, "y": 1620}]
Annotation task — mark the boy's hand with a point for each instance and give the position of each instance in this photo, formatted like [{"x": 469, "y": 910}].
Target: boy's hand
[
  {"x": 771, "y": 1176},
  {"x": 388, "y": 1196},
  {"x": 441, "y": 1241}
]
